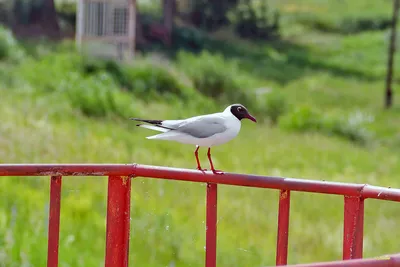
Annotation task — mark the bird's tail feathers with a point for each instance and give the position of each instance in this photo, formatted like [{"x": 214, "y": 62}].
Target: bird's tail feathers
[
  {"x": 170, "y": 135},
  {"x": 153, "y": 127}
]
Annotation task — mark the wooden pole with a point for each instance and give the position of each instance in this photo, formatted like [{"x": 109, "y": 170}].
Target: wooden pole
[
  {"x": 168, "y": 18},
  {"x": 392, "y": 50},
  {"x": 79, "y": 23},
  {"x": 132, "y": 27}
]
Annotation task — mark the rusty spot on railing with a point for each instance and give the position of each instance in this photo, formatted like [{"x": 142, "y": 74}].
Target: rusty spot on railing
[
  {"x": 284, "y": 195},
  {"x": 125, "y": 179}
]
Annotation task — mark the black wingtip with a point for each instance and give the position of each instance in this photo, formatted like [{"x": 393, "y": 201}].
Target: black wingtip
[{"x": 154, "y": 122}]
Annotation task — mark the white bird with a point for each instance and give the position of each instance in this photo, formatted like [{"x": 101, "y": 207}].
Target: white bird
[{"x": 205, "y": 130}]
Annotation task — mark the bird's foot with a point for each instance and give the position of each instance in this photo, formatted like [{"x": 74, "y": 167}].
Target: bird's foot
[{"x": 217, "y": 172}]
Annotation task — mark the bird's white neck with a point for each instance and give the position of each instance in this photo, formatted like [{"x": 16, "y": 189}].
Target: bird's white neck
[{"x": 227, "y": 110}]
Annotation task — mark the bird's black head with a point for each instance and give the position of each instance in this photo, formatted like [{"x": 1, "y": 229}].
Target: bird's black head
[{"x": 240, "y": 112}]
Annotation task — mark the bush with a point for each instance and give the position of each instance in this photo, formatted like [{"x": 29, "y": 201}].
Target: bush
[
  {"x": 302, "y": 119},
  {"x": 253, "y": 19},
  {"x": 92, "y": 65},
  {"x": 273, "y": 105},
  {"x": 145, "y": 77},
  {"x": 9, "y": 47},
  {"x": 216, "y": 77},
  {"x": 46, "y": 73},
  {"x": 98, "y": 96},
  {"x": 189, "y": 38},
  {"x": 307, "y": 119},
  {"x": 210, "y": 73},
  {"x": 210, "y": 15}
]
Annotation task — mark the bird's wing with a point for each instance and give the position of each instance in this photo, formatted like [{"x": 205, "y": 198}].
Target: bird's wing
[{"x": 202, "y": 126}]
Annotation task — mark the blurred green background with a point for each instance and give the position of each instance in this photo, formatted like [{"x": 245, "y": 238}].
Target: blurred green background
[{"x": 311, "y": 71}]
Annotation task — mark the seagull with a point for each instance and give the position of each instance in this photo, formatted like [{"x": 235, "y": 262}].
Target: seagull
[{"x": 202, "y": 131}]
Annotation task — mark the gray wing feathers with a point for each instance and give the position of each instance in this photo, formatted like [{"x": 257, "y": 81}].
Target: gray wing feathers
[{"x": 202, "y": 127}]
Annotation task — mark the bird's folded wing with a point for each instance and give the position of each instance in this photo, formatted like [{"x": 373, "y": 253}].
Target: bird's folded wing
[{"x": 203, "y": 127}]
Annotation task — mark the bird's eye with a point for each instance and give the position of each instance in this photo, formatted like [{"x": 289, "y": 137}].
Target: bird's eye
[{"x": 240, "y": 109}]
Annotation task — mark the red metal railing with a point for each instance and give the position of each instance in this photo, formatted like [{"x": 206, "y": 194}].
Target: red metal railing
[{"x": 118, "y": 207}]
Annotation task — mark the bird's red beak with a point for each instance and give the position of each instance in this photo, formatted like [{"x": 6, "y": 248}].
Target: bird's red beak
[{"x": 251, "y": 117}]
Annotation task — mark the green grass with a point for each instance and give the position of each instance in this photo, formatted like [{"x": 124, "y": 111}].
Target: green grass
[
  {"x": 336, "y": 75},
  {"x": 333, "y": 16}
]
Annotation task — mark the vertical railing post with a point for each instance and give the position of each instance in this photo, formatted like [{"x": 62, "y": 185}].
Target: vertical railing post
[
  {"x": 353, "y": 227},
  {"x": 211, "y": 225},
  {"x": 54, "y": 221},
  {"x": 283, "y": 228},
  {"x": 118, "y": 221}
]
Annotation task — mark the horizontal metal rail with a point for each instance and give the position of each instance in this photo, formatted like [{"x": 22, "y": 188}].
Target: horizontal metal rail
[
  {"x": 132, "y": 170},
  {"x": 118, "y": 206},
  {"x": 385, "y": 261}
]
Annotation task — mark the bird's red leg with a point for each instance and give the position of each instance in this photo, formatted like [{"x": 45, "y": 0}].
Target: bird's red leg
[
  {"x": 196, "y": 154},
  {"x": 211, "y": 163}
]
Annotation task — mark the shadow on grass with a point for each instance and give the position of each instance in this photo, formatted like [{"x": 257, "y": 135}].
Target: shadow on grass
[
  {"x": 281, "y": 61},
  {"x": 290, "y": 63}
]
